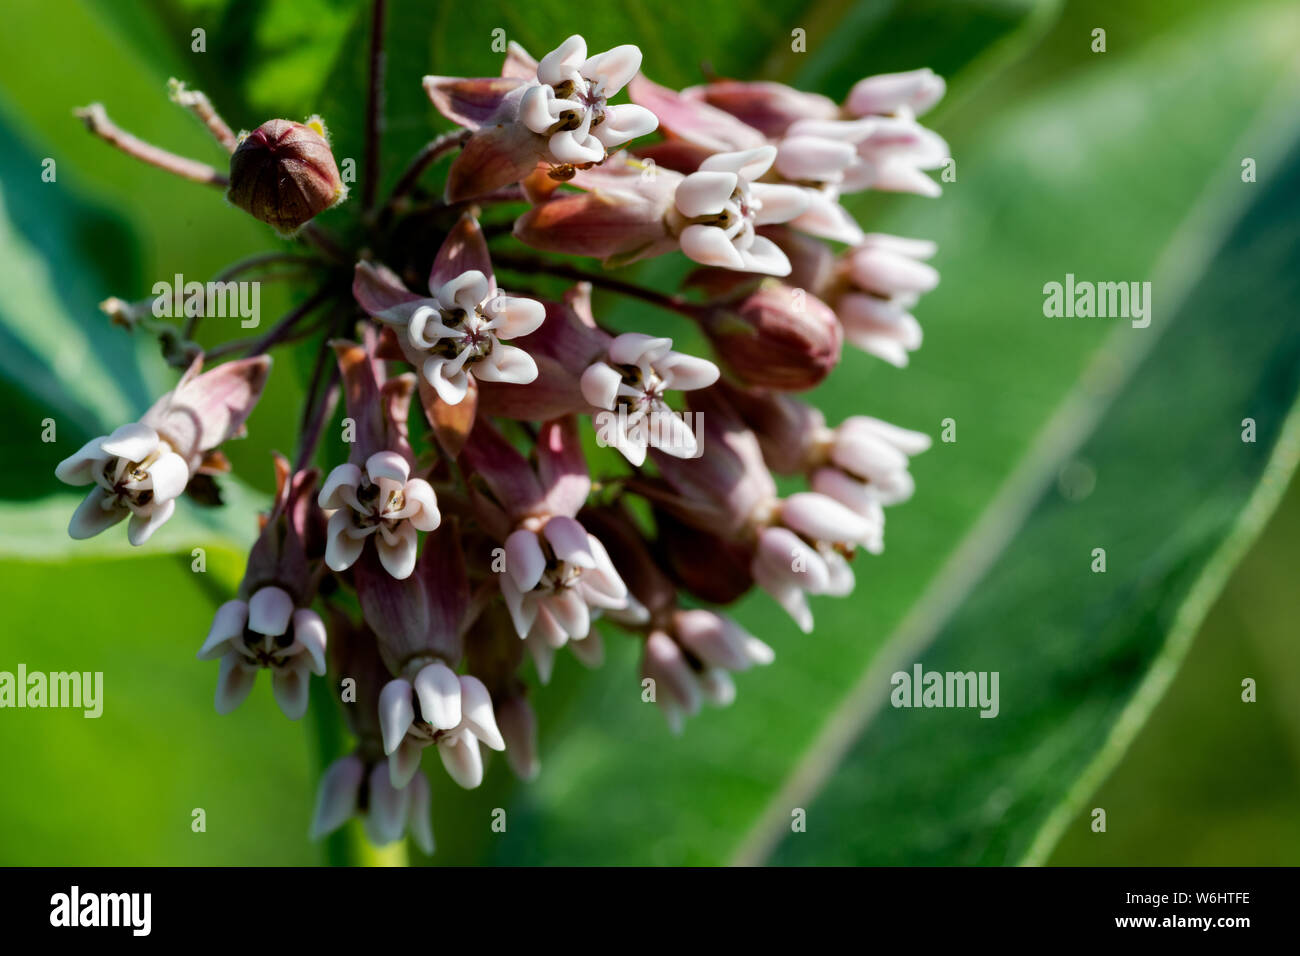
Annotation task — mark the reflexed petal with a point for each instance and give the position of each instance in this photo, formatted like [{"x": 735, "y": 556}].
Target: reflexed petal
[
  {"x": 438, "y": 690},
  {"x": 604, "y": 578},
  {"x": 419, "y": 492},
  {"x": 867, "y": 455},
  {"x": 398, "y": 550},
  {"x": 461, "y": 756},
  {"x": 788, "y": 595},
  {"x": 396, "y": 713},
  {"x": 571, "y": 613},
  {"x": 813, "y": 157},
  {"x": 590, "y": 650},
  {"x": 519, "y": 317},
  {"x": 525, "y": 560},
  {"x": 419, "y": 822},
  {"x": 79, "y": 467},
  {"x": 709, "y": 246},
  {"x": 309, "y": 634},
  {"x": 523, "y": 611},
  {"x": 536, "y": 110},
  {"x": 665, "y": 663},
  {"x": 331, "y": 496},
  {"x": 614, "y": 68},
  {"x": 826, "y": 218},
  {"x": 558, "y": 65},
  {"x": 234, "y": 682},
  {"x": 779, "y": 203},
  {"x": 91, "y": 517},
  {"x": 625, "y": 122},
  {"x": 507, "y": 364},
  {"x": 336, "y": 800},
  {"x": 704, "y": 193},
  {"x": 290, "y": 688},
  {"x": 404, "y": 763},
  {"x": 141, "y": 527},
  {"x": 476, "y": 705},
  {"x": 388, "y": 808},
  {"x": 823, "y": 519},
  {"x": 687, "y": 372},
  {"x": 750, "y": 164},
  {"x": 765, "y": 256},
  {"x": 567, "y": 147},
  {"x": 785, "y": 557},
  {"x": 568, "y": 539},
  {"x": 451, "y": 390},
  {"x": 228, "y": 622},
  {"x": 341, "y": 548},
  {"x": 671, "y": 435}
]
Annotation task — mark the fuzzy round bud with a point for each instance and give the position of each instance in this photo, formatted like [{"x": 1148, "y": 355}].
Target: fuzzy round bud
[
  {"x": 777, "y": 337},
  {"x": 284, "y": 174}
]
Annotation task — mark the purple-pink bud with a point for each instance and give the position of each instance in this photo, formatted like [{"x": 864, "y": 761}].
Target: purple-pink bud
[
  {"x": 284, "y": 174},
  {"x": 777, "y": 337}
]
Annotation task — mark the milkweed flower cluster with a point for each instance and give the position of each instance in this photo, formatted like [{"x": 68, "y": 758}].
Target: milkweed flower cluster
[{"x": 462, "y": 528}]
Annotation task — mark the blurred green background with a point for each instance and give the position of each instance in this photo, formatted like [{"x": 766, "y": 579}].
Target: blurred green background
[{"x": 1119, "y": 691}]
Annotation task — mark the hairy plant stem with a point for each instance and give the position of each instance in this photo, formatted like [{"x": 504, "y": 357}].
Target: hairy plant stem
[
  {"x": 97, "y": 121},
  {"x": 198, "y": 103}
]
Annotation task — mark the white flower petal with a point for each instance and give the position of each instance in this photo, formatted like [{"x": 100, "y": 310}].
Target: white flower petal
[
  {"x": 461, "y": 756},
  {"x": 476, "y": 705},
  {"x": 710, "y": 246},
  {"x": 438, "y": 690},
  {"x": 345, "y": 475},
  {"x": 228, "y": 622},
  {"x": 396, "y": 713},
  {"x": 234, "y": 682},
  {"x": 134, "y": 442},
  {"x": 91, "y": 517},
  {"x": 269, "y": 611},
  {"x": 704, "y": 193},
  {"x": 142, "y": 526},
  {"x": 525, "y": 560}
]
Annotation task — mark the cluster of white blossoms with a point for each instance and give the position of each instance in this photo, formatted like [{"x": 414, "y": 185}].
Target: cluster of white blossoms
[{"x": 458, "y": 530}]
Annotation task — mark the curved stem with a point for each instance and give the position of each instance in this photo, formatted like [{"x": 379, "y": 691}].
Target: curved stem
[
  {"x": 426, "y": 157},
  {"x": 97, "y": 121}
]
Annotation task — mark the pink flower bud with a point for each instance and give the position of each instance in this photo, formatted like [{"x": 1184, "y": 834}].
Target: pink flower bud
[
  {"x": 777, "y": 337},
  {"x": 284, "y": 174}
]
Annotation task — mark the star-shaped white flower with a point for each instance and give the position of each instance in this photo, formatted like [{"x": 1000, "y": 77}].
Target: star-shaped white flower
[
  {"x": 462, "y": 330},
  {"x": 570, "y": 103},
  {"x": 381, "y": 498},
  {"x": 631, "y": 385},
  {"x": 554, "y": 581},
  {"x": 438, "y": 707},
  {"x": 266, "y": 631},
  {"x": 135, "y": 473},
  {"x": 723, "y": 204}
]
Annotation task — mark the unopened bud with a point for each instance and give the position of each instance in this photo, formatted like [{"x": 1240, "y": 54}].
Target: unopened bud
[
  {"x": 284, "y": 174},
  {"x": 777, "y": 337}
]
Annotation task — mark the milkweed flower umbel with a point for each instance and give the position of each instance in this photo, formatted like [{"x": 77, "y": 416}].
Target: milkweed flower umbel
[{"x": 440, "y": 546}]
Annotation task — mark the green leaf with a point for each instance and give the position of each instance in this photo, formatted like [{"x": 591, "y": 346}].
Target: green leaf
[{"x": 1038, "y": 183}]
